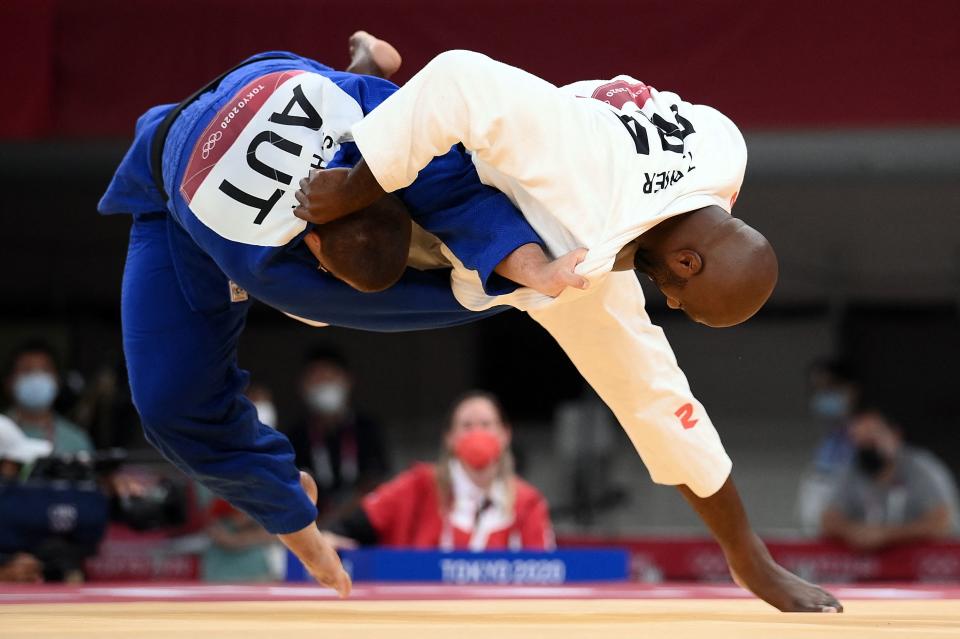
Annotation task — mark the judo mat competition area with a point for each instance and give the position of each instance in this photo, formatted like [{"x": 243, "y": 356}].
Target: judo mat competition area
[{"x": 425, "y": 611}]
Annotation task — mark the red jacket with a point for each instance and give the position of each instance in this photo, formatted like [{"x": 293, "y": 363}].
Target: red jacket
[{"x": 405, "y": 512}]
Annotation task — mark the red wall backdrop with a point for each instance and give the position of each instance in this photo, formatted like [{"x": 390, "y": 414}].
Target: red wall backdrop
[{"x": 88, "y": 68}]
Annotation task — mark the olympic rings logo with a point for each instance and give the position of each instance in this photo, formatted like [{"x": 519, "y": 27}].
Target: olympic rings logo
[{"x": 210, "y": 143}]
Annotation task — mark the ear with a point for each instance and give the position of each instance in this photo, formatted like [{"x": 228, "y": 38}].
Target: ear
[
  {"x": 684, "y": 263},
  {"x": 312, "y": 240}
]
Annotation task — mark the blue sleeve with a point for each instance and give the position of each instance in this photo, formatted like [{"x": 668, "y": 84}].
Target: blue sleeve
[
  {"x": 287, "y": 278},
  {"x": 478, "y": 223}
]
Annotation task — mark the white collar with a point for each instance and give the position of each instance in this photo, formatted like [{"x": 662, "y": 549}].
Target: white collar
[{"x": 468, "y": 498}]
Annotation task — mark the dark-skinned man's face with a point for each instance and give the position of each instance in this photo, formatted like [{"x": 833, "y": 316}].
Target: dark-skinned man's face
[
  {"x": 698, "y": 298},
  {"x": 674, "y": 288}
]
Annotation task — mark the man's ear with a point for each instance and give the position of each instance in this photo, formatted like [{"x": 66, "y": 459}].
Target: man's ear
[
  {"x": 312, "y": 240},
  {"x": 684, "y": 263}
]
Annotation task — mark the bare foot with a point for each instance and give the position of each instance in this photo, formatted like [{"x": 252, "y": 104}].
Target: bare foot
[
  {"x": 315, "y": 551},
  {"x": 372, "y": 56},
  {"x": 782, "y": 589}
]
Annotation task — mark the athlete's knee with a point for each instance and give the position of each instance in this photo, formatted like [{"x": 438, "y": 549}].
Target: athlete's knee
[
  {"x": 174, "y": 422},
  {"x": 157, "y": 409},
  {"x": 163, "y": 397}
]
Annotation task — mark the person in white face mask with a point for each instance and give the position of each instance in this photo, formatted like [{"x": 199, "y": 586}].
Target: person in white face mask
[
  {"x": 32, "y": 385},
  {"x": 342, "y": 449},
  {"x": 262, "y": 399}
]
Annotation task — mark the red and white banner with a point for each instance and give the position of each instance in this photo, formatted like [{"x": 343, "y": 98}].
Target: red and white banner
[{"x": 658, "y": 559}]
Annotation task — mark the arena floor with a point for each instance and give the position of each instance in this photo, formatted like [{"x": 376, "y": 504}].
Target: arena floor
[{"x": 464, "y": 612}]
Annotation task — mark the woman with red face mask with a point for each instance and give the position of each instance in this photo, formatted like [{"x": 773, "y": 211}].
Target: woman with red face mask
[{"x": 470, "y": 499}]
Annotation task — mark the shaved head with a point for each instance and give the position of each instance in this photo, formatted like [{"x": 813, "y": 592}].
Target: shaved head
[
  {"x": 368, "y": 250},
  {"x": 713, "y": 267}
]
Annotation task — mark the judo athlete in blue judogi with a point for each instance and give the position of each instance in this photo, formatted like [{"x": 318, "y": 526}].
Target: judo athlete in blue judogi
[{"x": 230, "y": 162}]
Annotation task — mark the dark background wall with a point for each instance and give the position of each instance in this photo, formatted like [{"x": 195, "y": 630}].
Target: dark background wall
[{"x": 85, "y": 69}]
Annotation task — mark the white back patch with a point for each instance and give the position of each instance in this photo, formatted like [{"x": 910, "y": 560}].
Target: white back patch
[{"x": 241, "y": 184}]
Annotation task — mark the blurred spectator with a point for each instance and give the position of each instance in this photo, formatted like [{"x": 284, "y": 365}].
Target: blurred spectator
[
  {"x": 342, "y": 449},
  {"x": 585, "y": 436},
  {"x": 20, "y": 567},
  {"x": 890, "y": 492},
  {"x": 470, "y": 499},
  {"x": 33, "y": 383},
  {"x": 17, "y": 451},
  {"x": 104, "y": 408},
  {"x": 834, "y": 394},
  {"x": 240, "y": 550},
  {"x": 262, "y": 399}
]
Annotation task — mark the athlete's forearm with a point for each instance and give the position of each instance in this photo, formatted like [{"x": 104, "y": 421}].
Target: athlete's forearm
[
  {"x": 724, "y": 515},
  {"x": 529, "y": 266},
  {"x": 630, "y": 364},
  {"x": 330, "y": 194},
  {"x": 524, "y": 265},
  {"x": 477, "y": 223},
  {"x": 750, "y": 563},
  {"x": 362, "y": 186}
]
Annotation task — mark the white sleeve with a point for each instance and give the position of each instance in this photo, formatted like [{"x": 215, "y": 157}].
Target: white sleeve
[
  {"x": 510, "y": 119},
  {"x": 561, "y": 160},
  {"x": 628, "y": 361}
]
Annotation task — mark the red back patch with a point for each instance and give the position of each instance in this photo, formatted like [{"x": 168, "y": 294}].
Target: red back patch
[
  {"x": 619, "y": 92},
  {"x": 226, "y": 126}
]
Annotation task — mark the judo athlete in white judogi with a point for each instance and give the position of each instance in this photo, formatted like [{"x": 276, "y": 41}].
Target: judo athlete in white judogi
[{"x": 643, "y": 180}]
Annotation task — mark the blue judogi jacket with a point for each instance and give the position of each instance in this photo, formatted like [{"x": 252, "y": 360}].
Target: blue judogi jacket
[
  {"x": 478, "y": 223},
  {"x": 181, "y": 327}
]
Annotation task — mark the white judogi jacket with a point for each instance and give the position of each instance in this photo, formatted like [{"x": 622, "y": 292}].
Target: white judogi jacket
[{"x": 593, "y": 164}]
